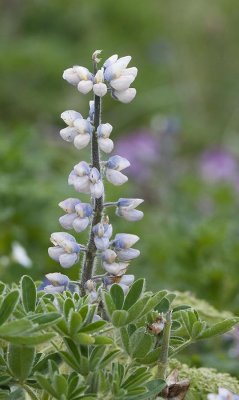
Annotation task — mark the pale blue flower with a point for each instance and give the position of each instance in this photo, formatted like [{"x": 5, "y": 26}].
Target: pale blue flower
[
  {"x": 103, "y": 133},
  {"x": 69, "y": 204},
  {"x": 66, "y": 250},
  {"x": 126, "y": 209},
  {"x": 86, "y": 180},
  {"x": 58, "y": 279},
  {"x": 127, "y": 254},
  {"x": 124, "y": 241},
  {"x": 102, "y": 234},
  {"x": 114, "y": 165},
  {"x": 79, "y": 218}
]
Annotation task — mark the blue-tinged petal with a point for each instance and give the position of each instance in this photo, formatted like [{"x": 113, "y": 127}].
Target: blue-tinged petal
[
  {"x": 58, "y": 279},
  {"x": 84, "y": 210},
  {"x": 67, "y": 260},
  {"x": 102, "y": 243},
  {"x": 116, "y": 177},
  {"x": 130, "y": 215},
  {"x": 55, "y": 252},
  {"x": 70, "y": 116},
  {"x": 69, "y": 205},
  {"x": 54, "y": 289},
  {"x": 97, "y": 189},
  {"x": 67, "y": 220},
  {"x": 125, "y": 240},
  {"x": 80, "y": 224},
  {"x": 127, "y": 254}
]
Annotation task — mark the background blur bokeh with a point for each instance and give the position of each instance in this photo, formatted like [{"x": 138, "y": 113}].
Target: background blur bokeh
[{"x": 180, "y": 133}]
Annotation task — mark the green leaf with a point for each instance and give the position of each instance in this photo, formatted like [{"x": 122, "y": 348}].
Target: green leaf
[
  {"x": 108, "y": 358},
  {"x": 119, "y": 318},
  {"x": 140, "y": 343},
  {"x": 8, "y": 305},
  {"x": 29, "y": 340},
  {"x": 197, "y": 329},
  {"x": 28, "y": 293},
  {"x": 219, "y": 328},
  {"x": 20, "y": 360},
  {"x": 68, "y": 306},
  {"x": 75, "y": 322},
  {"x": 163, "y": 306},
  {"x": 45, "y": 384},
  {"x": 117, "y": 295},
  {"x": 2, "y": 287},
  {"x": 45, "y": 320},
  {"x": 15, "y": 327},
  {"x": 60, "y": 384},
  {"x": 154, "y": 388},
  {"x": 151, "y": 357},
  {"x": 135, "y": 311},
  {"x": 138, "y": 377},
  {"x": 153, "y": 301},
  {"x": 134, "y": 293},
  {"x": 102, "y": 340},
  {"x": 125, "y": 338},
  {"x": 83, "y": 338},
  {"x": 94, "y": 326},
  {"x": 108, "y": 303}
]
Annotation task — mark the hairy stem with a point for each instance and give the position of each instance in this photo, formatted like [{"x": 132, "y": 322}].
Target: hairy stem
[
  {"x": 163, "y": 360},
  {"x": 89, "y": 260}
]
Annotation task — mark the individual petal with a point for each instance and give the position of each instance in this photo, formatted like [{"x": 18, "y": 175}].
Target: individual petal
[
  {"x": 83, "y": 125},
  {"x": 122, "y": 83},
  {"x": 85, "y": 86},
  {"x": 125, "y": 96},
  {"x": 129, "y": 204},
  {"x": 101, "y": 243},
  {"x": 58, "y": 279},
  {"x": 100, "y": 89},
  {"x": 70, "y": 116},
  {"x": 106, "y": 145},
  {"x": 124, "y": 61},
  {"x": 111, "y": 60},
  {"x": 71, "y": 76},
  {"x": 84, "y": 210},
  {"x": 125, "y": 240},
  {"x": 69, "y": 133},
  {"x": 67, "y": 220},
  {"x": 115, "y": 268},
  {"x": 129, "y": 215},
  {"x": 94, "y": 175},
  {"x": 99, "y": 76},
  {"x": 109, "y": 256},
  {"x": 127, "y": 280},
  {"x": 81, "y": 141},
  {"x": 82, "y": 72},
  {"x": 69, "y": 204},
  {"x": 127, "y": 254},
  {"x": 116, "y": 177},
  {"x": 97, "y": 189},
  {"x": 99, "y": 230},
  {"x": 54, "y": 289},
  {"x": 55, "y": 252},
  {"x": 108, "y": 230},
  {"x": 114, "y": 70},
  {"x": 67, "y": 260},
  {"x": 80, "y": 224},
  {"x": 92, "y": 109},
  {"x": 130, "y": 71},
  {"x": 82, "y": 168},
  {"x": 104, "y": 130},
  {"x": 82, "y": 184},
  {"x": 118, "y": 163}
]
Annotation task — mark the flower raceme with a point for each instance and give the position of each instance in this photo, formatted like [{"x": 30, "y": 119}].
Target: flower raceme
[{"x": 115, "y": 254}]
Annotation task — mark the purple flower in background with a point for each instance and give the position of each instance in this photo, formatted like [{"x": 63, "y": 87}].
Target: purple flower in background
[
  {"x": 219, "y": 165},
  {"x": 141, "y": 148}
]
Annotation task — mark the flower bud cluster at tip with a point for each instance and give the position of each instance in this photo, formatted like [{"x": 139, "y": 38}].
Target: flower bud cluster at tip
[
  {"x": 116, "y": 254},
  {"x": 114, "y": 76}
]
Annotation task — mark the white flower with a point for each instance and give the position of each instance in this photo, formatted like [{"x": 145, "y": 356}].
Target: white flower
[
  {"x": 127, "y": 254},
  {"x": 79, "y": 130},
  {"x": 114, "y": 69},
  {"x": 99, "y": 87},
  {"x": 102, "y": 234},
  {"x": 124, "y": 240},
  {"x": 85, "y": 86},
  {"x": 103, "y": 133},
  {"x": 66, "y": 250},
  {"x": 80, "y": 77},
  {"x": 125, "y": 96},
  {"x": 113, "y": 167},
  {"x": 115, "y": 268},
  {"x": 122, "y": 83},
  {"x": 126, "y": 209},
  {"x": 69, "y": 117},
  {"x": 58, "y": 279},
  {"x": 69, "y": 204},
  {"x": 54, "y": 289},
  {"x": 86, "y": 180},
  {"x": 78, "y": 218}
]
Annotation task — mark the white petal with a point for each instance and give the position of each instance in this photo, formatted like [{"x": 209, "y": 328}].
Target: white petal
[
  {"x": 66, "y": 221},
  {"x": 82, "y": 168},
  {"x": 97, "y": 189},
  {"x": 54, "y": 289},
  {"x": 130, "y": 71},
  {"x": 108, "y": 230},
  {"x": 67, "y": 260},
  {"x": 82, "y": 72},
  {"x": 130, "y": 215},
  {"x": 57, "y": 279},
  {"x": 71, "y": 76},
  {"x": 68, "y": 205},
  {"x": 125, "y": 240},
  {"x": 80, "y": 224},
  {"x": 82, "y": 140},
  {"x": 118, "y": 163},
  {"x": 100, "y": 89},
  {"x": 127, "y": 254},
  {"x": 99, "y": 76},
  {"x": 115, "y": 177},
  {"x": 55, "y": 252},
  {"x": 122, "y": 83},
  {"x": 115, "y": 268},
  {"x": 109, "y": 256},
  {"x": 104, "y": 130},
  {"x": 83, "y": 125},
  {"x": 82, "y": 184},
  {"x": 129, "y": 204},
  {"x": 101, "y": 243},
  {"x": 114, "y": 70},
  {"x": 124, "y": 61},
  {"x": 106, "y": 145},
  {"x": 94, "y": 175},
  {"x": 99, "y": 230},
  {"x": 85, "y": 86},
  {"x": 111, "y": 60},
  {"x": 127, "y": 280},
  {"x": 70, "y": 116},
  {"x": 66, "y": 241},
  {"x": 125, "y": 96},
  {"x": 69, "y": 133}
]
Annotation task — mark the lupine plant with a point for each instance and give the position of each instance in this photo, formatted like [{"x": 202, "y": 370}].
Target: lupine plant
[{"x": 103, "y": 336}]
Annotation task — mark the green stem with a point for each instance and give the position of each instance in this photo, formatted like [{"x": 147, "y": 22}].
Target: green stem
[
  {"x": 163, "y": 360},
  {"x": 89, "y": 260}
]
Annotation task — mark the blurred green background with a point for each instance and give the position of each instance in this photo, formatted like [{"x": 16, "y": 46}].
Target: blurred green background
[{"x": 181, "y": 134}]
